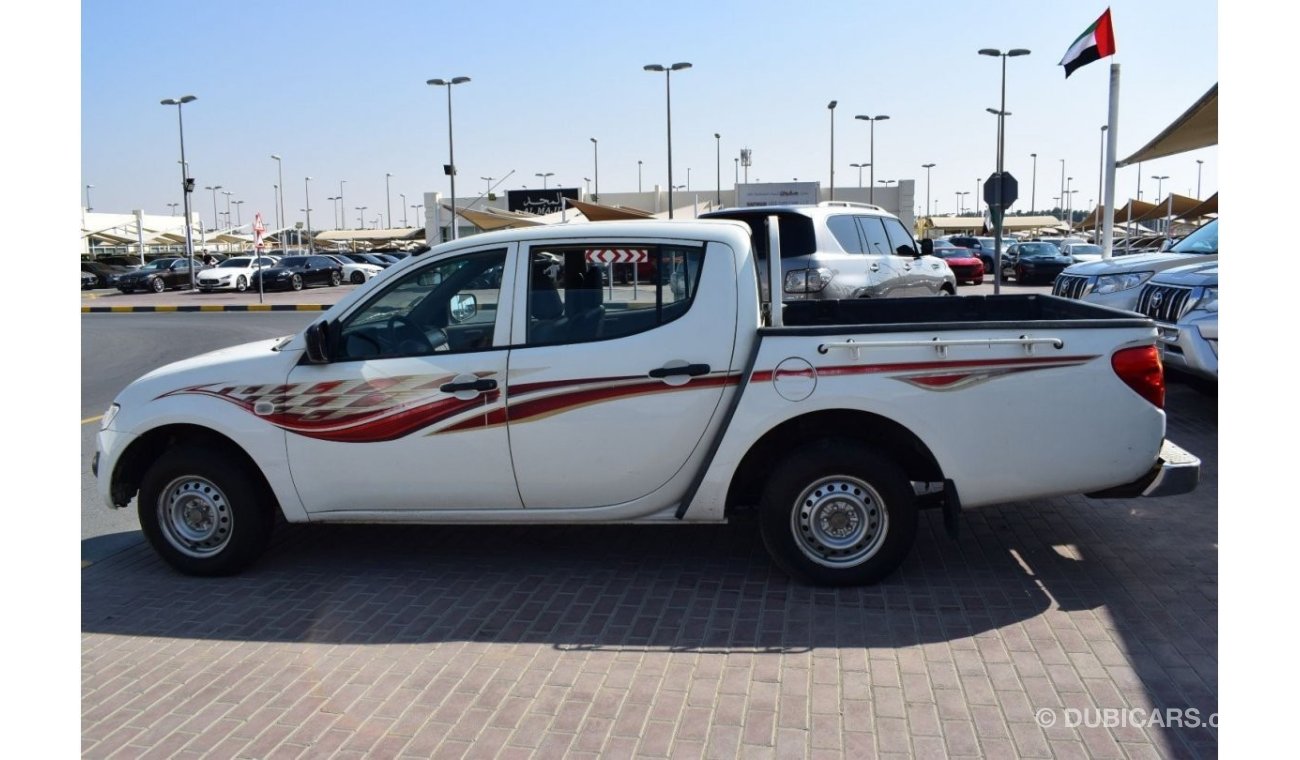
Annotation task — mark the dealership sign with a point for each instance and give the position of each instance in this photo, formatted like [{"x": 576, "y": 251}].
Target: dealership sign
[
  {"x": 777, "y": 193},
  {"x": 539, "y": 201}
]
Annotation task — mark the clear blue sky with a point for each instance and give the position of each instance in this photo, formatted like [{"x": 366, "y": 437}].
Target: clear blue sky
[{"x": 338, "y": 89}]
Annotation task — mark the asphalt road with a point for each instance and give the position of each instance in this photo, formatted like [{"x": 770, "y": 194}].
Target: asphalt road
[{"x": 118, "y": 348}]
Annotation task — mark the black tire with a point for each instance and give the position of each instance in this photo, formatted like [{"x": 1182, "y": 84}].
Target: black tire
[
  {"x": 854, "y": 489},
  {"x": 232, "y": 512},
  {"x": 358, "y": 277},
  {"x": 335, "y": 279},
  {"x": 296, "y": 282},
  {"x": 157, "y": 285},
  {"x": 241, "y": 284}
]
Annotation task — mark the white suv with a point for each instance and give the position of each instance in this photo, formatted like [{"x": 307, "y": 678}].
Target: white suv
[
  {"x": 1116, "y": 283},
  {"x": 838, "y": 250}
]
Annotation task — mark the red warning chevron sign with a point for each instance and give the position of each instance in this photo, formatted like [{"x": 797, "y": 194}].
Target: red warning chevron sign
[{"x": 618, "y": 255}]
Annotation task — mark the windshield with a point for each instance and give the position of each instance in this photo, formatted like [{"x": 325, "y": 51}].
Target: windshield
[
  {"x": 241, "y": 263},
  {"x": 1030, "y": 250},
  {"x": 1204, "y": 240}
]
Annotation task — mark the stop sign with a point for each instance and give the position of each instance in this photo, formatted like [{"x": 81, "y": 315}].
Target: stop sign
[{"x": 1010, "y": 190}]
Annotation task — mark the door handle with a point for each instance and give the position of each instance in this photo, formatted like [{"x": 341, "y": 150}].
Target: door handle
[
  {"x": 482, "y": 384},
  {"x": 691, "y": 370},
  {"x": 875, "y": 267}
]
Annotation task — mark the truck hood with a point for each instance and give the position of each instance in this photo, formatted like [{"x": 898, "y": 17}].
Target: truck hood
[
  {"x": 250, "y": 363},
  {"x": 1194, "y": 276},
  {"x": 1142, "y": 262}
]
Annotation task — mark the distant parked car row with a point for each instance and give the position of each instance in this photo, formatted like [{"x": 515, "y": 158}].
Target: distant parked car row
[{"x": 236, "y": 273}]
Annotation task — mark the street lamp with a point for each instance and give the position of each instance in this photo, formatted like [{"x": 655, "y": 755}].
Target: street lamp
[
  {"x": 859, "y": 167},
  {"x": 343, "y": 210},
  {"x": 306, "y": 191},
  {"x": 595, "y": 158},
  {"x": 89, "y": 209},
  {"x": 1198, "y": 182},
  {"x": 239, "y": 216},
  {"x": 187, "y": 184},
  {"x": 736, "y": 181},
  {"x": 1160, "y": 184},
  {"x": 717, "y": 139},
  {"x": 668, "y": 90},
  {"x": 334, "y": 209},
  {"x": 688, "y": 179},
  {"x": 887, "y": 182},
  {"x": 1002, "y": 114},
  {"x": 927, "y": 168},
  {"x": 638, "y": 175},
  {"x": 227, "y": 193},
  {"x": 361, "y": 216},
  {"x": 405, "y": 222},
  {"x": 1033, "y": 186},
  {"x": 871, "y": 189},
  {"x": 831, "y": 107},
  {"x": 388, "y": 197},
  {"x": 279, "y": 168},
  {"x": 587, "y": 180},
  {"x": 451, "y": 146},
  {"x": 961, "y": 206},
  {"x": 417, "y": 207},
  {"x": 215, "y": 219},
  {"x": 173, "y": 206},
  {"x": 544, "y": 175},
  {"x": 1061, "y": 198}
]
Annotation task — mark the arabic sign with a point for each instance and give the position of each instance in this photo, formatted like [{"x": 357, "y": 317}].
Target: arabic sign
[
  {"x": 539, "y": 201},
  {"x": 778, "y": 193}
]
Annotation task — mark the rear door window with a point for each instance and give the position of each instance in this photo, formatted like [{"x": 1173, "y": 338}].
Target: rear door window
[
  {"x": 845, "y": 230},
  {"x": 873, "y": 234}
]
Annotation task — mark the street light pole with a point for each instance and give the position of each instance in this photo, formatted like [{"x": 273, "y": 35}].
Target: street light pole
[
  {"x": 280, "y": 217},
  {"x": 638, "y": 175},
  {"x": 1001, "y": 210},
  {"x": 1198, "y": 181},
  {"x": 871, "y": 191},
  {"x": 1062, "y": 196},
  {"x": 227, "y": 193},
  {"x": 717, "y": 140},
  {"x": 668, "y": 92},
  {"x": 89, "y": 208},
  {"x": 544, "y": 175},
  {"x": 343, "y": 210},
  {"x": 927, "y": 168},
  {"x": 388, "y": 197},
  {"x": 1033, "y": 191},
  {"x": 306, "y": 189},
  {"x": 361, "y": 217},
  {"x": 831, "y": 107},
  {"x": 216, "y": 220},
  {"x": 239, "y": 215},
  {"x": 451, "y": 148},
  {"x": 187, "y": 184},
  {"x": 595, "y": 158},
  {"x": 405, "y": 223}
]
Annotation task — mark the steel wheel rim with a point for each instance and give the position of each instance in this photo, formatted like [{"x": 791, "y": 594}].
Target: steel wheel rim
[
  {"x": 195, "y": 516},
  {"x": 839, "y": 521}
]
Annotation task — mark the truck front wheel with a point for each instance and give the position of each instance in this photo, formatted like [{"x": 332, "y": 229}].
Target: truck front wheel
[
  {"x": 838, "y": 513},
  {"x": 204, "y": 514}
]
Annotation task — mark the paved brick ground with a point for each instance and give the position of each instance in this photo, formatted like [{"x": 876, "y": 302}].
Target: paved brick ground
[{"x": 669, "y": 642}]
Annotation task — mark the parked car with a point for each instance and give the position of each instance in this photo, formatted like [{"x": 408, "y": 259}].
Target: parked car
[
  {"x": 984, "y": 248},
  {"x": 1184, "y": 302},
  {"x": 158, "y": 275},
  {"x": 234, "y": 273},
  {"x": 1081, "y": 252},
  {"x": 89, "y": 280},
  {"x": 105, "y": 274},
  {"x": 366, "y": 258},
  {"x": 1116, "y": 283},
  {"x": 964, "y": 263},
  {"x": 131, "y": 263},
  {"x": 832, "y": 422},
  {"x": 1027, "y": 262},
  {"x": 840, "y": 250},
  {"x": 355, "y": 272},
  {"x": 298, "y": 272}
]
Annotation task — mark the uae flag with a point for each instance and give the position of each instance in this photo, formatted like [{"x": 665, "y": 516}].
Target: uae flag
[{"x": 1095, "y": 43}]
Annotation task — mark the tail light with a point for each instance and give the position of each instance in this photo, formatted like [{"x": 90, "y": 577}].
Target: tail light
[{"x": 1141, "y": 370}]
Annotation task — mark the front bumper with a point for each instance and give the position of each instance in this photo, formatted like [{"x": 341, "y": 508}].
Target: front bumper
[
  {"x": 1184, "y": 348},
  {"x": 1176, "y": 471}
]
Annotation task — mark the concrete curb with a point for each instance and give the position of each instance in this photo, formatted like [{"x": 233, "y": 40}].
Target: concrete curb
[{"x": 206, "y": 307}]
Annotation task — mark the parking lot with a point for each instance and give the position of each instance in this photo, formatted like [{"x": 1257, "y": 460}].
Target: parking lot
[{"x": 681, "y": 641}]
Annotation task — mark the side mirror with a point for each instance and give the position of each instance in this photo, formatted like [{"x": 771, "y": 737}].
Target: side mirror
[
  {"x": 927, "y": 247},
  {"x": 463, "y": 307},
  {"x": 318, "y": 349}
]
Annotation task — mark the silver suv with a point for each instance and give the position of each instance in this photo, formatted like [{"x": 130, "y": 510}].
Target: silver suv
[
  {"x": 837, "y": 250},
  {"x": 1116, "y": 282}
]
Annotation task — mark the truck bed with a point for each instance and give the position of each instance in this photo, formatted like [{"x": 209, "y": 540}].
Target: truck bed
[{"x": 986, "y": 312}]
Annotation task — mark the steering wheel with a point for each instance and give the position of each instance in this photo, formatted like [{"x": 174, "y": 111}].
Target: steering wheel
[{"x": 406, "y": 337}]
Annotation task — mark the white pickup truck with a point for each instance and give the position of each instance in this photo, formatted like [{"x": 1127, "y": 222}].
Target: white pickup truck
[{"x": 498, "y": 379}]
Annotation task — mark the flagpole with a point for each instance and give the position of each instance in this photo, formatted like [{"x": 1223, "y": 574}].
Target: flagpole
[{"x": 1108, "y": 236}]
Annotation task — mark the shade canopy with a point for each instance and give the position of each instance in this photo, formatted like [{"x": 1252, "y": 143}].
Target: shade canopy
[{"x": 1198, "y": 127}]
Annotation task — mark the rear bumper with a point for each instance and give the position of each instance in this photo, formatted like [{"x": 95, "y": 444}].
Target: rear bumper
[{"x": 1176, "y": 471}]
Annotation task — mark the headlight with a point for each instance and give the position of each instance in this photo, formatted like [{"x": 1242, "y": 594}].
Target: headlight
[
  {"x": 1209, "y": 300},
  {"x": 109, "y": 416},
  {"x": 1114, "y": 283}
]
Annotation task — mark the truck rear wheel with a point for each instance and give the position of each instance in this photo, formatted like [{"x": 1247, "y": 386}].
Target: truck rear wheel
[
  {"x": 204, "y": 514},
  {"x": 838, "y": 513}
]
